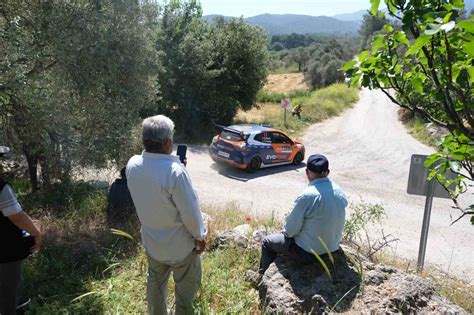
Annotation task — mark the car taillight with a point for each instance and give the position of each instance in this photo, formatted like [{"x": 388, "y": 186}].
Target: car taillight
[{"x": 242, "y": 147}]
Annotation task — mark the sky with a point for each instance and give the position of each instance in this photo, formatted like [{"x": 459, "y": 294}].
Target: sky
[{"x": 247, "y": 8}]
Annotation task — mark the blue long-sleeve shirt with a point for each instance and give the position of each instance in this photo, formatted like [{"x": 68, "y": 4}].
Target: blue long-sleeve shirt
[{"x": 318, "y": 214}]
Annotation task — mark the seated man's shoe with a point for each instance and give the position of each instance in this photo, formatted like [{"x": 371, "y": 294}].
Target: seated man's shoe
[{"x": 23, "y": 302}]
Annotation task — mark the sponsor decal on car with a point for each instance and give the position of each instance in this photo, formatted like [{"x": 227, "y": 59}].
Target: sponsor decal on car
[{"x": 224, "y": 154}]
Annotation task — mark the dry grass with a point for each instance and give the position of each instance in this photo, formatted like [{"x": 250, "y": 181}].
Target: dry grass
[
  {"x": 285, "y": 82},
  {"x": 455, "y": 290},
  {"x": 317, "y": 106}
]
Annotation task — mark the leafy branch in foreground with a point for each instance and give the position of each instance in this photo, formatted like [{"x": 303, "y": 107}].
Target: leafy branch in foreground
[{"x": 428, "y": 68}]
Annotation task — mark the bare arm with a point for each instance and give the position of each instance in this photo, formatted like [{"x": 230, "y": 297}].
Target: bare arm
[{"x": 24, "y": 222}]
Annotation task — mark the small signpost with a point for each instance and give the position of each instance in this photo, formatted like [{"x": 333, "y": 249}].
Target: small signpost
[
  {"x": 418, "y": 184},
  {"x": 286, "y": 104}
]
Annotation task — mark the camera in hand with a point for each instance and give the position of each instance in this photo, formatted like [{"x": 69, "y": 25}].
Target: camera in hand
[
  {"x": 28, "y": 239},
  {"x": 181, "y": 152}
]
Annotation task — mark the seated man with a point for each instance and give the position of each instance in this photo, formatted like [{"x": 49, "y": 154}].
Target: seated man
[{"x": 317, "y": 217}]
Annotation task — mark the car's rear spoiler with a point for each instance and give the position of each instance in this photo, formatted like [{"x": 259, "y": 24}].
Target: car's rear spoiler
[{"x": 239, "y": 132}]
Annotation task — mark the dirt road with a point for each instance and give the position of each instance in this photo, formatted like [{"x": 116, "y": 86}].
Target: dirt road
[{"x": 369, "y": 153}]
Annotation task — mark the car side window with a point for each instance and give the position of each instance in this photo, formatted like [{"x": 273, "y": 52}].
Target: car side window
[
  {"x": 266, "y": 137},
  {"x": 258, "y": 137},
  {"x": 279, "y": 138},
  {"x": 285, "y": 139}
]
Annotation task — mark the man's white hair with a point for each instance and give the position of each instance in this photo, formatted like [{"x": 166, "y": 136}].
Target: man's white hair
[{"x": 157, "y": 129}]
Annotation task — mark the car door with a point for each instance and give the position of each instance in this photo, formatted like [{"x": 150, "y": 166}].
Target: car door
[
  {"x": 282, "y": 146},
  {"x": 266, "y": 151}
]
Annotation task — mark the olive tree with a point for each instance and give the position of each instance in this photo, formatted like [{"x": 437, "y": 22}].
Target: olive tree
[
  {"x": 74, "y": 76},
  {"x": 428, "y": 68},
  {"x": 208, "y": 71}
]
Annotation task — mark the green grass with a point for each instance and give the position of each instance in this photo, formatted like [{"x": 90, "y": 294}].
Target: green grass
[
  {"x": 317, "y": 106},
  {"x": 85, "y": 269},
  {"x": 265, "y": 96},
  {"x": 416, "y": 127},
  {"x": 293, "y": 67}
]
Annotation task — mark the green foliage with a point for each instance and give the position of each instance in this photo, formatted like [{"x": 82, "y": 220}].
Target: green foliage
[
  {"x": 428, "y": 64},
  {"x": 209, "y": 71},
  {"x": 361, "y": 215},
  {"x": 371, "y": 24},
  {"x": 309, "y": 56},
  {"x": 317, "y": 106},
  {"x": 417, "y": 128},
  {"x": 322, "y": 68},
  {"x": 74, "y": 76},
  {"x": 265, "y": 96}
]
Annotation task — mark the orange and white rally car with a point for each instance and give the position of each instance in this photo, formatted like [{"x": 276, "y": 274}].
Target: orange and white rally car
[{"x": 252, "y": 147}]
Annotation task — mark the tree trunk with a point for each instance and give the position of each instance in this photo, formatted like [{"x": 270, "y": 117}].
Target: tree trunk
[{"x": 32, "y": 161}]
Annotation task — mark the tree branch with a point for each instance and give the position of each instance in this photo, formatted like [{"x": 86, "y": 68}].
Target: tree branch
[{"x": 462, "y": 215}]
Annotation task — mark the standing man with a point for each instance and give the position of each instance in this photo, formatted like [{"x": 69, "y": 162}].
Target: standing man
[
  {"x": 317, "y": 217},
  {"x": 172, "y": 228},
  {"x": 14, "y": 246}
]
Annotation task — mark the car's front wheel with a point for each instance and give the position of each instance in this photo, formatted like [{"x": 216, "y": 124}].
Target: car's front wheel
[
  {"x": 254, "y": 165},
  {"x": 298, "y": 158}
]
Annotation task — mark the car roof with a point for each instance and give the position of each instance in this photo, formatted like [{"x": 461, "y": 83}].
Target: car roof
[{"x": 247, "y": 129}]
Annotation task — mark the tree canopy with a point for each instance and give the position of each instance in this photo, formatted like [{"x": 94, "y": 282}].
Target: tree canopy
[
  {"x": 209, "y": 70},
  {"x": 76, "y": 77},
  {"x": 73, "y": 78}
]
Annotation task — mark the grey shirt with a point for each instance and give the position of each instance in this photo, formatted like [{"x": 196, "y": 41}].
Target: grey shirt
[
  {"x": 8, "y": 203},
  {"x": 166, "y": 204}
]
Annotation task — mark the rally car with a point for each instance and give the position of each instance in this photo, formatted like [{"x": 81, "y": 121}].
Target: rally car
[{"x": 252, "y": 147}]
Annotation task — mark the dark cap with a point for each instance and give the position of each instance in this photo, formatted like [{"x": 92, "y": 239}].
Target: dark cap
[
  {"x": 317, "y": 163},
  {"x": 4, "y": 150}
]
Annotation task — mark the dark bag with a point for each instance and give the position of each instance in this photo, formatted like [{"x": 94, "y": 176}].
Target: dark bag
[{"x": 15, "y": 244}]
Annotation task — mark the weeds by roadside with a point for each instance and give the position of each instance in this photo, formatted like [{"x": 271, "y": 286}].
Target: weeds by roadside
[
  {"x": 317, "y": 106},
  {"x": 417, "y": 127}
]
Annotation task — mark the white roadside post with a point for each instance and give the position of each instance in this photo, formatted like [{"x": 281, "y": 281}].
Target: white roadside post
[
  {"x": 286, "y": 104},
  {"x": 418, "y": 184}
]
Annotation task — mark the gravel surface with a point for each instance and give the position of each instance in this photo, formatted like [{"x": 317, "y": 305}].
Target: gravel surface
[{"x": 369, "y": 153}]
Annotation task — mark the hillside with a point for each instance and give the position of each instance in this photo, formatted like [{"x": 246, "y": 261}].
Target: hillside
[
  {"x": 275, "y": 24},
  {"x": 339, "y": 24},
  {"x": 354, "y": 16},
  {"x": 285, "y": 82}
]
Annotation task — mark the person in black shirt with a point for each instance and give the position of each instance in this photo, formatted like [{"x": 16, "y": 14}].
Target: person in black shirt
[
  {"x": 14, "y": 246},
  {"x": 120, "y": 204}
]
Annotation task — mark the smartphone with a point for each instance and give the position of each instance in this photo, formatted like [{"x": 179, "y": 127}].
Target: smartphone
[{"x": 181, "y": 152}]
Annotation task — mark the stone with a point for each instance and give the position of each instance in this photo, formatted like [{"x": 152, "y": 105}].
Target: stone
[
  {"x": 353, "y": 285},
  {"x": 289, "y": 287},
  {"x": 242, "y": 236},
  {"x": 244, "y": 229}
]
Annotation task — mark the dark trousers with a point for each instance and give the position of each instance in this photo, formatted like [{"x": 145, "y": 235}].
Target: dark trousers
[
  {"x": 10, "y": 280},
  {"x": 280, "y": 244}
]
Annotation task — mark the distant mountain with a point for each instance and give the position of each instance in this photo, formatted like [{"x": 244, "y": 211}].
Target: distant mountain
[
  {"x": 469, "y": 5},
  {"x": 358, "y": 16},
  {"x": 340, "y": 24},
  {"x": 355, "y": 16},
  {"x": 276, "y": 24}
]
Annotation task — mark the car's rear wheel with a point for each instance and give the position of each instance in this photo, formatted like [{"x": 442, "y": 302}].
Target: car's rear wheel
[
  {"x": 254, "y": 165},
  {"x": 298, "y": 158}
]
